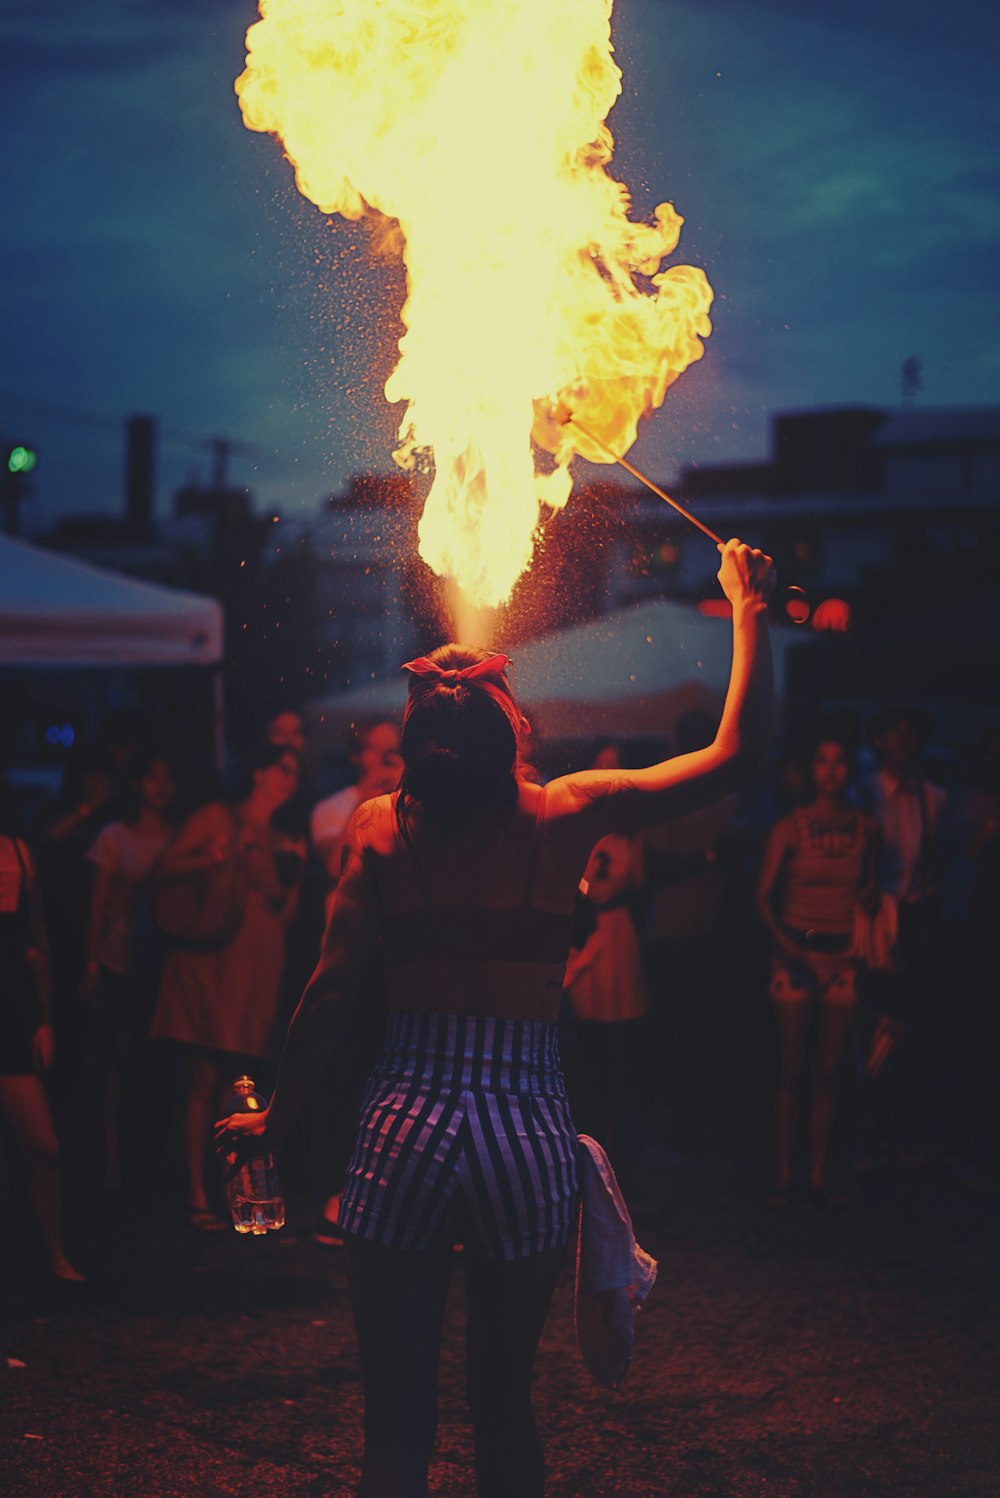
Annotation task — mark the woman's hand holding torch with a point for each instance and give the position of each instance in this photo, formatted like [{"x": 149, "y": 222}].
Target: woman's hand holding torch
[{"x": 747, "y": 575}]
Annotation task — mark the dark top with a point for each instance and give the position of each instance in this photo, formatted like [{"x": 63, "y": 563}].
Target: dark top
[{"x": 432, "y": 931}]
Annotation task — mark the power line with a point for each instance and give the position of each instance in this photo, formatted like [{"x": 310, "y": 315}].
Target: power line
[
  {"x": 65, "y": 413},
  {"x": 220, "y": 447}
]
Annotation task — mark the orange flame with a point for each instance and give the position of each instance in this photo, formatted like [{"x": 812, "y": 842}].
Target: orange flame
[{"x": 480, "y": 128}]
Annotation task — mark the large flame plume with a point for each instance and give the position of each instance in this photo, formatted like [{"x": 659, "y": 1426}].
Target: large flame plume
[{"x": 479, "y": 126}]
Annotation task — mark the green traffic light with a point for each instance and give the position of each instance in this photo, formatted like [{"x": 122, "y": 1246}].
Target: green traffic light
[{"x": 21, "y": 460}]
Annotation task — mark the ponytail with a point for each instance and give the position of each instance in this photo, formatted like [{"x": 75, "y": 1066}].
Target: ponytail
[{"x": 459, "y": 745}]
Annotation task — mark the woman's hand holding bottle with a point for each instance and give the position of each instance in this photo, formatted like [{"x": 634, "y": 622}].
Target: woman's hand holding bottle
[{"x": 242, "y": 1137}]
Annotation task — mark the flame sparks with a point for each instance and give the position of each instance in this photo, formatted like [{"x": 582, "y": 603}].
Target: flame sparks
[{"x": 479, "y": 126}]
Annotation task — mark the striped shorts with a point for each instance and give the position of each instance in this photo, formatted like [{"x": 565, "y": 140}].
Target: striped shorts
[{"x": 464, "y": 1130}]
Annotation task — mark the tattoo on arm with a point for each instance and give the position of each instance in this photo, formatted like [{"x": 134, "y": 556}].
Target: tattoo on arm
[
  {"x": 601, "y": 790},
  {"x": 361, "y": 820},
  {"x": 364, "y": 816}
]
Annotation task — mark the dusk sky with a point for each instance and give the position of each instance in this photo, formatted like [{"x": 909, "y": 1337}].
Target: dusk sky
[{"x": 836, "y": 165}]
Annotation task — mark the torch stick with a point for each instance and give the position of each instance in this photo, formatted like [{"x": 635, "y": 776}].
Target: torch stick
[
  {"x": 638, "y": 474},
  {"x": 796, "y": 603}
]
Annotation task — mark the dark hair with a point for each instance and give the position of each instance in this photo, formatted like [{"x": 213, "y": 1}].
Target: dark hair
[
  {"x": 137, "y": 774},
  {"x": 458, "y": 746},
  {"x": 263, "y": 757},
  {"x": 834, "y": 733},
  {"x": 266, "y": 755},
  {"x": 284, "y": 710},
  {"x": 902, "y": 712}
]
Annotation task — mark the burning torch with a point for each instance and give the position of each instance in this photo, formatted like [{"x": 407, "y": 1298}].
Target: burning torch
[{"x": 795, "y": 601}]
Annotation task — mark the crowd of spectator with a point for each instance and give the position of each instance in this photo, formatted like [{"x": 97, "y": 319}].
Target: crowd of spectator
[{"x": 806, "y": 970}]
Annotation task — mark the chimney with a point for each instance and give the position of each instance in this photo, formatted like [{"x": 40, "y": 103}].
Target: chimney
[{"x": 140, "y": 458}]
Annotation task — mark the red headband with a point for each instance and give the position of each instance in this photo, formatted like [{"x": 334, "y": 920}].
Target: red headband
[{"x": 430, "y": 675}]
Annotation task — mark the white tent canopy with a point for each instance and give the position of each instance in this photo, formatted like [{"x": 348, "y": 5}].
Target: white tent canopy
[
  {"x": 628, "y": 674},
  {"x": 55, "y": 611}
]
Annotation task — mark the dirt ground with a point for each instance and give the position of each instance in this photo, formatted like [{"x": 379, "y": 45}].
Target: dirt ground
[{"x": 841, "y": 1354}]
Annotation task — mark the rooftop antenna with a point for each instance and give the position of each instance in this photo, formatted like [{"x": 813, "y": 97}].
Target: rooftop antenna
[{"x": 911, "y": 379}]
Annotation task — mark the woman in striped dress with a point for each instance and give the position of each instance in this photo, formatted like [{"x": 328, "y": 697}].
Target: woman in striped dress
[{"x": 467, "y": 876}]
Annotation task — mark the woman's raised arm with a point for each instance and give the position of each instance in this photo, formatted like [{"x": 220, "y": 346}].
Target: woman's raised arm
[{"x": 597, "y": 802}]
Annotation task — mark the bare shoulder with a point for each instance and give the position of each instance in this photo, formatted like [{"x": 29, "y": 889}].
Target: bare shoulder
[
  {"x": 373, "y": 826},
  {"x": 578, "y": 812},
  {"x": 206, "y": 821},
  {"x": 559, "y": 802},
  {"x": 589, "y": 804}
]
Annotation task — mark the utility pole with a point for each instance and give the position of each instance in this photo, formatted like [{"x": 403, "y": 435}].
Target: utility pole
[
  {"x": 222, "y": 450},
  {"x": 911, "y": 379},
  {"x": 19, "y": 461}
]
